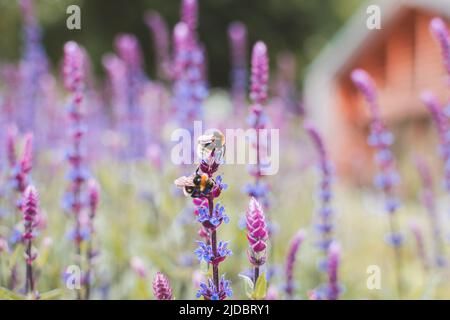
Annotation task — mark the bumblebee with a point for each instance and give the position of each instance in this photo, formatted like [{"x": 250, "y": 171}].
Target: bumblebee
[
  {"x": 211, "y": 143},
  {"x": 196, "y": 185}
]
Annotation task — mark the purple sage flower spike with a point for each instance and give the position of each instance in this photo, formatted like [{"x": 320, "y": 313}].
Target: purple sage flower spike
[
  {"x": 93, "y": 191},
  {"x": 94, "y": 195},
  {"x": 443, "y": 130},
  {"x": 387, "y": 177},
  {"x": 294, "y": 246},
  {"x": 260, "y": 73},
  {"x": 189, "y": 14},
  {"x": 439, "y": 30},
  {"x": 189, "y": 86},
  {"x": 21, "y": 170},
  {"x": 331, "y": 290},
  {"x": 129, "y": 51},
  {"x": 428, "y": 199},
  {"x": 334, "y": 255},
  {"x": 258, "y": 120},
  {"x": 211, "y": 216},
  {"x": 138, "y": 267},
  {"x": 285, "y": 88},
  {"x": 237, "y": 34},
  {"x": 257, "y": 236},
  {"x": 74, "y": 81},
  {"x": 33, "y": 68},
  {"x": 19, "y": 180},
  {"x": 30, "y": 212},
  {"x": 325, "y": 217},
  {"x": 161, "y": 287},
  {"x": 211, "y": 291}
]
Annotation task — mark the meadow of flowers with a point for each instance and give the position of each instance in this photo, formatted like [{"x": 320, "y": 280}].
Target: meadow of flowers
[{"x": 89, "y": 208}]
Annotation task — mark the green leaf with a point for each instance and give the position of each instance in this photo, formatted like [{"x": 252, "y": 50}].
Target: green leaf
[
  {"x": 50, "y": 295},
  {"x": 248, "y": 285},
  {"x": 6, "y": 294},
  {"x": 260, "y": 288}
]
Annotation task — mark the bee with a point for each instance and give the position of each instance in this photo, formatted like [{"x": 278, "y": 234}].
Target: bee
[
  {"x": 211, "y": 144},
  {"x": 196, "y": 185}
]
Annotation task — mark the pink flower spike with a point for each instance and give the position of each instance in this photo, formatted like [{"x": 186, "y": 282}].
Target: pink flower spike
[
  {"x": 94, "y": 194},
  {"x": 129, "y": 50},
  {"x": 364, "y": 82},
  {"x": 30, "y": 203},
  {"x": 161, "y": 287},
  {"x": 257, "y": 234},
  {"x": 433, "y": 105}
]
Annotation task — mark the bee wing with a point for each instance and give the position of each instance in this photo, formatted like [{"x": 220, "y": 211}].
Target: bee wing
[
  {"x": 184, "y": 181},
  {"x": 219, "y": 138},
  {"x": 219, "y": 153},
  {"x": 185, "y": 192},
  {"x": 205, "y": 139}
]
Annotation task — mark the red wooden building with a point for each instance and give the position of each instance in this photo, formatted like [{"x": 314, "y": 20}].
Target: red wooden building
[{"x": 404, "y": 60}]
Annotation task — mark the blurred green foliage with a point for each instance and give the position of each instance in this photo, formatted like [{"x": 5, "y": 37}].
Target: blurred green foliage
[{"x": 301, "y": 26}]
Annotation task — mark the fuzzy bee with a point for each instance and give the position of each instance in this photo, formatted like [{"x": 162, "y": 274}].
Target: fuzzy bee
[
  {"x": 196, "y": 185},
  {"x": 211, "y": 143}
]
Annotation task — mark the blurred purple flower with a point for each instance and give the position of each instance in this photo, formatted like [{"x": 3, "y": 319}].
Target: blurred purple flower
[
  {"x": 237, "y": 35},
  {"x": 257, "y": 236},
  {"x": 260, "y": 74},
  {"x": 160, "y": 33},
  {"x": 443, "y": 130},
  {"x": 439, "y": 30},
  {"x": 428, "y": 200},
  {"x": 33, "y": 67},
  {"x": 30, "y": 211},
  {"x": 294, "y": 246},
  {"x": 74, "y": 77},
  {"x": 214, "y": 220},
  {"x": 189, "y": 14},
  {"x": 205, "y": 252},
  {"x": 19, "y": 176},
  {"x": 325, "y": 217},
  {"x": 258, "y": 119},
  {"x": 211, "y": 216},
  {"x": 161, "y": 287},
  {"x": 420, "y": 245},
  {"x": 129, "y": 51},
  {"x": 387, "y": 177},
  {"x": 189, "y": 86}
]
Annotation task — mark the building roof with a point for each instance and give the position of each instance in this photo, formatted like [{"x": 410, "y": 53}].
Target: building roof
[
  {"x": 355, "y": 33},
  {"x": 346, "y": 45}
]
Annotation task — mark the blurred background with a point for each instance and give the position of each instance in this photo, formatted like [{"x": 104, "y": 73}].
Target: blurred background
[{"x": 300, "y": 26}]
